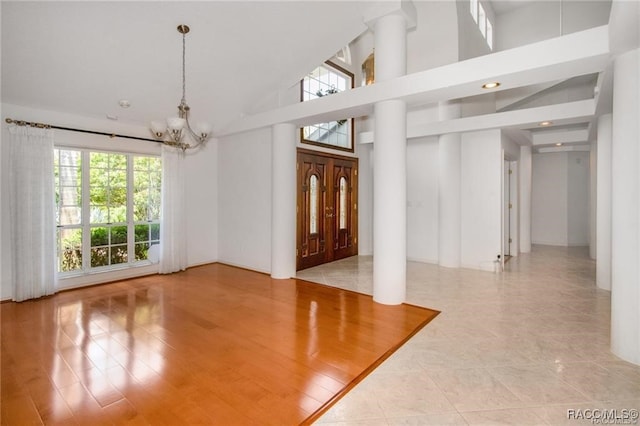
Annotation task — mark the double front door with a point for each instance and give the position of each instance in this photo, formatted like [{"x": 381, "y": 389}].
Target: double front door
[{"x": 327, "y": 206}]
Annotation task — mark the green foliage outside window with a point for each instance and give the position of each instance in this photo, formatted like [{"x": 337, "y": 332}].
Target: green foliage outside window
[{"x": 108, "y": 204}]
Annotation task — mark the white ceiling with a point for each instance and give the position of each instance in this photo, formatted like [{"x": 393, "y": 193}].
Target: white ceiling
[{"x": 83, "y": 57}]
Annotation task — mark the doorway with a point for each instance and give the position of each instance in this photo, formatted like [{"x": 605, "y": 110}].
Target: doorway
[
  {"x": 510, "y": 210},
  {"x": 327, "y": 208}
]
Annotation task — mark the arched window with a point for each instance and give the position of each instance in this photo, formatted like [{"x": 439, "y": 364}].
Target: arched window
[
  {"x": 326, "y": 80},
  {"x": 313, "y": 204}
]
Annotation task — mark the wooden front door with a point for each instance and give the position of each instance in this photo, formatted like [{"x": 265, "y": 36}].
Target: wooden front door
[{"x": 327, "y": 227}]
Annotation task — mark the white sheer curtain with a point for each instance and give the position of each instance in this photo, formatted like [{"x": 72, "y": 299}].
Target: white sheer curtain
[
  {"x": 173, "y": 232},
  {"x": 32, "y": 212}
]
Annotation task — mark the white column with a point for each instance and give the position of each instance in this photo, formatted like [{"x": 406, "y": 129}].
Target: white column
[
  {"x": 593, "y": 176},
  {"x": 390, "y": 41},
  {"x": 283, "y": 199},
  {"x": 449, "y": 149},
  {"x": 625, "y": 209},
  {"x": 603, "y": 204},
  {"x": 390, "y": 203},
  {"x": 390, "y": 167},
  {"x": 525, "y": 198}
]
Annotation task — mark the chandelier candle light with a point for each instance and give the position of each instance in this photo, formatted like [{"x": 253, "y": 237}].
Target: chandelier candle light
[{"x": 172, "y": 133}]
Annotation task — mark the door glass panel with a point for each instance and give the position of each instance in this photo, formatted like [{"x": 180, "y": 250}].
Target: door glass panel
[
  {"x": 313, "y": 204},
  {"x": 343, "y": 203}
]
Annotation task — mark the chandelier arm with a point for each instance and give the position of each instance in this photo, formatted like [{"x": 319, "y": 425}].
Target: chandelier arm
[
  {"x": 193, "y": 134},
  {"x": 172, "y": 136}
]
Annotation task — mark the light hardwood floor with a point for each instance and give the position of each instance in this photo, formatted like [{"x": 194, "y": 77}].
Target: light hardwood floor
[{"x": 212, "y": 345}]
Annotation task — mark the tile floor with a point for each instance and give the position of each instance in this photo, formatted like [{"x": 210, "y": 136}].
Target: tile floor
[{"x": 521, "y": 347}]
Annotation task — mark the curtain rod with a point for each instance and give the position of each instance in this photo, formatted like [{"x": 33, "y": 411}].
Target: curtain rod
[{"x": 93, "y": 132}]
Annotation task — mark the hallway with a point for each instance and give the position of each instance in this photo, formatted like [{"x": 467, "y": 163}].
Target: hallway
[{"x": 519, "y": 347}]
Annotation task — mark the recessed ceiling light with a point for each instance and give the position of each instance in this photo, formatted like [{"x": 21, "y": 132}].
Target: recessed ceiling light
[
  {"x": 559, "y": 144},
  {"x": 124, "y": 103},
  {"x": 491, "y": 85},
  {"x": 546, "y": 123}
]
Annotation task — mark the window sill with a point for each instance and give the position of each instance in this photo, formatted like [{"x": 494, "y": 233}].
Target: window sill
[{"x": 70, "y": 281}]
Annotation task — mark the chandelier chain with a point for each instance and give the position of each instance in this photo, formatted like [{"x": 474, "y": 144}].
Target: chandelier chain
[
  {"x": 177, "y": 127},
  {"x": 184, "y": 84}
]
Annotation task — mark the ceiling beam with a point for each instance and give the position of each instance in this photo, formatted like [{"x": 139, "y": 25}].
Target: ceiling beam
[
  {"x": 564, "y": 148},
  {"x": 559, "y": 58},
  {"x": 529, "y": 118},
  {"x": 559, "y": 114},
  {"x": 563, "y": 136}
]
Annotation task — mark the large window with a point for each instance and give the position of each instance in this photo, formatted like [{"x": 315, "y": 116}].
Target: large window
[
  {"x": 108, "y": 209},
  {"x": 326, "y": 80},
  {"x": 482, "y": 19}
]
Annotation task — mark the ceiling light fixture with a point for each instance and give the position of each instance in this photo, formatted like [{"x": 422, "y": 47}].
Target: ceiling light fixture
[
  {"x": 491, "y": 85},
  {"x": 546, "y": 123},
  {"x": 172, "y": 133},
  {"x": 559, "y": 144}
]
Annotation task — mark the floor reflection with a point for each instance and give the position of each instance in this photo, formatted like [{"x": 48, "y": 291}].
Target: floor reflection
[
  {"x": 212, "y": 345},
  {"x": 99, "y": 336}
]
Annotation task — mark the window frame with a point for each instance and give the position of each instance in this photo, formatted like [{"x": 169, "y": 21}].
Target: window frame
[
  {"x": 473, "y": 9},
  {"x": 481, "y": 18},
  {"x": 85, "y": 216},
  {"x": 489, "y": 35},
  {"x": 351, "y": 132}
]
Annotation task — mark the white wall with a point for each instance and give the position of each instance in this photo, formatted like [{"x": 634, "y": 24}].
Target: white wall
[
  {"x": 478, "y": 105},
  {"x": 560, "y": 199},
  {"x": 422, "y": 200},
  {"x": 5, "y": 261},
  {"x": 511, "y": 148},
  {"x": 434, "y": 41},
  {"x": 244, "y": 196},
  {"x": 365, "y": 199},
  {"x": 625, "y": 207},
  {"x": 202, "y": 205},
  {"x": 593, "y": 198},
  {"x": 578, "y": 199},
  {"x": 481, "y": 191},
  {"x": 471, "y": 41},
  {"x": 549, "y": 199},
  {"x": 540, "y": 20}
]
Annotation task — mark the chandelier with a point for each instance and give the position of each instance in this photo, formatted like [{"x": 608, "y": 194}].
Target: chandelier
[{"x": 173, "y": 131}]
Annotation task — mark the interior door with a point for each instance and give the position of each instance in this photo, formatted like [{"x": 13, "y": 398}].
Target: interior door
[
  {"x": 327, "y": 220},
  {"x": 506, "y": 208}
]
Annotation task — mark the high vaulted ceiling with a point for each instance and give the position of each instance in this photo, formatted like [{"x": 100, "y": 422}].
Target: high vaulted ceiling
[{"x": 83, "y": 57}]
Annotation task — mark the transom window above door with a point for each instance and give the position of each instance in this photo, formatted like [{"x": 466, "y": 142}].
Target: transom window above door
[{"x": 327, "y": 80}]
